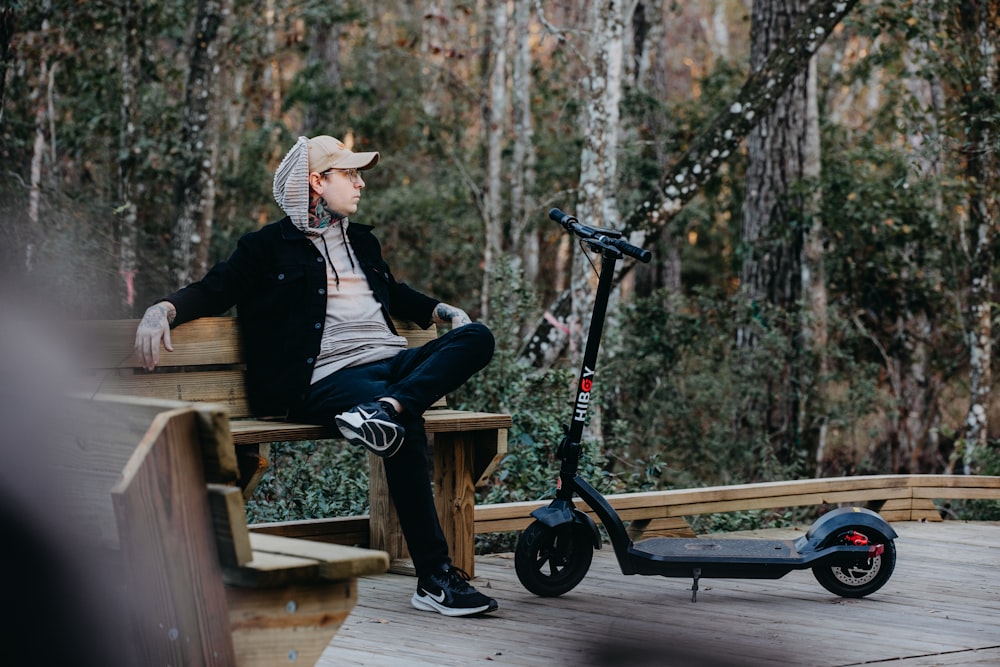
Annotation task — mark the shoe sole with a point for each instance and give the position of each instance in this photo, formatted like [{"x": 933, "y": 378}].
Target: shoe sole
[
  {"x": 425, "y": 603},
  {"x": 382, "y": 438}
]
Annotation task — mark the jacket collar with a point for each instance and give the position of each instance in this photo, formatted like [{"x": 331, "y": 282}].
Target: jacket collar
[{"x": 290, "y": 232}]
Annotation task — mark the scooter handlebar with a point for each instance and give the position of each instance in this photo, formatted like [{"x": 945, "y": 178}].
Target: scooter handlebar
[
  {"x": 638, "y": 253},
  {"x": 606, "y": 236}
]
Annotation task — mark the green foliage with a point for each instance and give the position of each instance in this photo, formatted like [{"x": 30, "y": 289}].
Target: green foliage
[
  {"x": 311, "y": 480},
  {"x": 987, "y": 463},
  {"x": 728, "y": 522},
  {"x": 430, "y": 233},
  {"x": 691, "y": 398},
  {"x": 539, "y": 403}
]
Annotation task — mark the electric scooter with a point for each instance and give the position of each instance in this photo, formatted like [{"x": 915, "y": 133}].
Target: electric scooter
[{"x": 850, "y": 550}]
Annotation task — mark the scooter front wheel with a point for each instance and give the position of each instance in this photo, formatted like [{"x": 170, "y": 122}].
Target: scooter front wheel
[
  {"x": 862, "y": 577},
  {"x": 551, "y": 561}
]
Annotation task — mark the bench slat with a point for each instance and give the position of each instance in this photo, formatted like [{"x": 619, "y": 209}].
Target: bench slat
[
  {"x": 250, "y": 431},
  {"x": 206, "y": 341},
  {"x": 225, "y": 387},
  {"x": 336, "y": 561}
]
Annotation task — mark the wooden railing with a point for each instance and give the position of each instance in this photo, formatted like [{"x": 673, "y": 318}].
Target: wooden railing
[
  {"x": 656, "y": 513},
  {"x": 895, "y": 497}
]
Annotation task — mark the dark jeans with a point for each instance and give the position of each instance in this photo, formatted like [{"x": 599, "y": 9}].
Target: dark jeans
[{"x": 416, "y": 377}]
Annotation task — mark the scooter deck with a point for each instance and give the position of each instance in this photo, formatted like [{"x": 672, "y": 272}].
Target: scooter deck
[
  {"x": 702, "y": 548},
  {"x": 726, "y": 558}
]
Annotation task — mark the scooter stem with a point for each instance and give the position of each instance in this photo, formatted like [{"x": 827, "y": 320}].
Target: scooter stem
[{"x": 570, "y": 451}]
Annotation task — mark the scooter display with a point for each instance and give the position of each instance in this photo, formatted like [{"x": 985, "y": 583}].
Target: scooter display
[{"x": 850, "y": 550}]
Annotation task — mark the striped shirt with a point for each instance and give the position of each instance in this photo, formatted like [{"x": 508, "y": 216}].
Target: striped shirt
[{"x": 355, "y": 331}]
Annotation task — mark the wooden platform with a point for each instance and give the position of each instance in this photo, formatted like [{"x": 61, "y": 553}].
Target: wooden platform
[{"x": 941, "y": 607}]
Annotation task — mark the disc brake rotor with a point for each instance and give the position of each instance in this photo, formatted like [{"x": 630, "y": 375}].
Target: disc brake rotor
[{"x": 856, "y": 575}]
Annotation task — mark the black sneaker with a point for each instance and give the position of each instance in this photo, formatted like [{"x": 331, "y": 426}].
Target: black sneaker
[
  {"x": 448, "y": 592},
  {"x": 372, "y": 425}
]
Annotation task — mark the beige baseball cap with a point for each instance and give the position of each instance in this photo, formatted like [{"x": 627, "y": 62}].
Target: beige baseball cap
[{"x": 327, "y": 153}]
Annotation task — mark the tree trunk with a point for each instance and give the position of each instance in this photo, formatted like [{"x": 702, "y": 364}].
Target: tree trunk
[
  {"x": 597, "y": 204},
  {"x": 496, "y": 114},
  {"x": 978, "y": 33},
  {"x": 40, "y": 98},
  {"x": 194, "y": 193},
  {"x": 772, "y": 234},
  {"x": 325, "y": 53},
  {"x": 7, "y": 28},
  {"x": 271, "y": 103},
  {"x": 524, "y": 234},
  {"x": 919, "y": 384},
  {"x": 128, "y": 232},
  {"x": 813, "y": 278}
]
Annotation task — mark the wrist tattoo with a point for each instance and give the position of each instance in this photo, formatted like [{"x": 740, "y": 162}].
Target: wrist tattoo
[
  {"x": 157, "y": 314},
  {"x": 448, "y": 313}
]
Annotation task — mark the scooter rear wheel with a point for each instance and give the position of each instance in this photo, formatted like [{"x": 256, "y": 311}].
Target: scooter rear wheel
[
  {"x": 861, "y": 578},
  {"x": 551, "y": 561}
]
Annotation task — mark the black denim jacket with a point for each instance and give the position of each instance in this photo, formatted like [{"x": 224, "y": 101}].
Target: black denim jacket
[{"x": 276, "y": 278}]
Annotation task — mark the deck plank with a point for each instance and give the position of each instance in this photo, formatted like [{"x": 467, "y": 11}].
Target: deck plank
[{"x": 941, "y": 607}]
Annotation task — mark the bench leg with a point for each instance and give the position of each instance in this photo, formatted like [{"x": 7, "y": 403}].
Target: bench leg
[
  {"x": 253, "y": 461},
  {"x": 454, "y": 497},
  {"x": 455, "y": 494},
  {"x": 385, "y": 533}
]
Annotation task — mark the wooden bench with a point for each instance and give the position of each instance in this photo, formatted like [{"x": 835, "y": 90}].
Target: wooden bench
[
  {"x": 150, "y": 489},
  {"x": 662, "y": 513},
  {"x": 207, "y": 365}
]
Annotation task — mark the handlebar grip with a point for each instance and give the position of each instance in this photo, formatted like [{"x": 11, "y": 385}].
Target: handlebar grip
[
  {"x": 627, "y": 248},
  {"x": 564, "y": 219}
]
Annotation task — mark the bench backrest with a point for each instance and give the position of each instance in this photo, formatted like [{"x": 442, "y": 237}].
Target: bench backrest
[
  {"x": 207, "y": 363},
  {"x": 135, "y": 487}
]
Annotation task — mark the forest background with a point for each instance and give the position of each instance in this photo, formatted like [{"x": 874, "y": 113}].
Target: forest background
[{"x": 817, "y": 180}]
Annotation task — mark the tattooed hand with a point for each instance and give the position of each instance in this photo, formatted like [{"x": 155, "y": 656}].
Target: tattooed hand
[
  {"x": 154, "y": 328},
  {"x": 447, "y": 314}
]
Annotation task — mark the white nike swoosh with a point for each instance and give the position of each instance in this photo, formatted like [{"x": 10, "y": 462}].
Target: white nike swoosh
[
  {"x": 439, "y": 598},
  {"x": 366, "y": 415}
]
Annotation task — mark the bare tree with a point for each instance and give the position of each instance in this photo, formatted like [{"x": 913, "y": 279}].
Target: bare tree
[
  {"x": 597, "y": 203},
  {"x": 978, "y": 37},
  {"x": 782, "y": 151},
  {"x": 524, "y": 234},
  {"x": 496, "y": 115},
  {"x": 324, "y": 35},
  {"x": 194, "y": 192},
  {"x": 128, "y": 232},
  {"x": 41, "y": 98}
]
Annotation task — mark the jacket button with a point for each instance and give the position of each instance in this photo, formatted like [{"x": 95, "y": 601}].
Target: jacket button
[
  {"x": 281, "y": 276},
  {"x": 310, "y": 360},
  {"x": 321, "y": 291},
  {"x": 319, "y": 259},
  {"x": 318, "y": 325}
]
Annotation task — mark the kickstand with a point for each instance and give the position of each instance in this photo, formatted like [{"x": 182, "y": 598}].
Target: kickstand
[{"x": 694, "y": 584}]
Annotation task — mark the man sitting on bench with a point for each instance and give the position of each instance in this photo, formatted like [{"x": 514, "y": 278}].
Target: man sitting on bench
[{"x": 315, "y": 300}]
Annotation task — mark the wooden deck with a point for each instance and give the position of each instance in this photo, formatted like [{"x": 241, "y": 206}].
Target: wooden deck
[{"x": 941, "y": 607}]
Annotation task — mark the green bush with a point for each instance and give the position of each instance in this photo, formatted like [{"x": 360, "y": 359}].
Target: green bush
[{"x": 311, "y": 480}]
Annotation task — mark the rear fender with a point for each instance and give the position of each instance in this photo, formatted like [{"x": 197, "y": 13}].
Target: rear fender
[{"x": 836, "y": 521}]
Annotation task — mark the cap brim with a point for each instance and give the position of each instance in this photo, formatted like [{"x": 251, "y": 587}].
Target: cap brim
[{"x": 357, "y": 161}]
